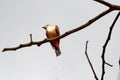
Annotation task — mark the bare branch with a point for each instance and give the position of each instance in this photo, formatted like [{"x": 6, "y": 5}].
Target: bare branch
[
  {"x": 90, "y": 62},
  {"x": 108, "y": 4},
  {"x": 103, "y": 2},
  {"x": 26, "y": 45},
  {"x": 61, "y": 36},
  {"x": 105, "y": 45},
  {"x": 111, "y": 8}
]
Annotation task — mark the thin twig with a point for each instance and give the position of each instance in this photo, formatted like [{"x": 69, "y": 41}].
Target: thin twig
[
  {"x": 31, "y": 37},
  {"x": 108, "y": 64},
  {"x": 38, "y": 43},
  {"x": 90, "y": 62},
  {"x": 105, "y": 45}
]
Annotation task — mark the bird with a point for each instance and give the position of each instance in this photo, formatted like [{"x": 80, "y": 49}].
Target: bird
[{"x": 52, "y": 31}]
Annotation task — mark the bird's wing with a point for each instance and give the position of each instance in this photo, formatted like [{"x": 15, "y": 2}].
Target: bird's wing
[{"x": 58, "y": 32}]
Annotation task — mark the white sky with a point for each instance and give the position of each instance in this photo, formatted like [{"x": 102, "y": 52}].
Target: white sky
[{"x": 19, "y": 18}]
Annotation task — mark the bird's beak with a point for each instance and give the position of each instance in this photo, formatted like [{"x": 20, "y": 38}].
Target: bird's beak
[{"x": 44, "y": 27}]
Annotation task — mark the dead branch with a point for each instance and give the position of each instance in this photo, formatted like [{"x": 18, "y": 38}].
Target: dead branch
[
  {"x": 90, "y": 62},
  {"x": 105, "y": 45},
  {"x": 38, "y": 43}
]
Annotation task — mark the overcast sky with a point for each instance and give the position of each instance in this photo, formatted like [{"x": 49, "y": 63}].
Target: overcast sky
[{"x": 19, "y": 18}]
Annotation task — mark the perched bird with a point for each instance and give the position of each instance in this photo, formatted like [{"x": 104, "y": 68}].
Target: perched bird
[{"x": 51, "y": 32}]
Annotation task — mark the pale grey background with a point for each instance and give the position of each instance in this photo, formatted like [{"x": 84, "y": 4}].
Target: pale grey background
[{"x": 19, "y": 18}]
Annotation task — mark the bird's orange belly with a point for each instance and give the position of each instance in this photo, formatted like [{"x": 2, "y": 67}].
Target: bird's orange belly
[{"x": 53, "y": 34}]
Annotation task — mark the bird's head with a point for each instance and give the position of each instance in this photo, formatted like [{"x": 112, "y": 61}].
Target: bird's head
[
  {"x": 45, "y": 27},
  {"x": 48, "y": 26}
]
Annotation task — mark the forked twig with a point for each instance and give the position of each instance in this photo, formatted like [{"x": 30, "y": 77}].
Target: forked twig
[{"x": 105, "y": 45}]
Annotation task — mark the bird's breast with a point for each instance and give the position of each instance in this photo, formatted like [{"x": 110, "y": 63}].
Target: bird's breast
[{"x": 51, "y": 33}]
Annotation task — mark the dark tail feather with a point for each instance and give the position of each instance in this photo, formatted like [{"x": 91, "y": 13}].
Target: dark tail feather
[{"x": 58, "y": 52}]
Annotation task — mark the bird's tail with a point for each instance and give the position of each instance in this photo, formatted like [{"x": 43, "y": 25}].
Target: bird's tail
[{"x": 58, "y": 52}]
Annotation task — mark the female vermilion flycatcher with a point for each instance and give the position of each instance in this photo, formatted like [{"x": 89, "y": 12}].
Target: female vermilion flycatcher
[{"x": 51, "y": 32}]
